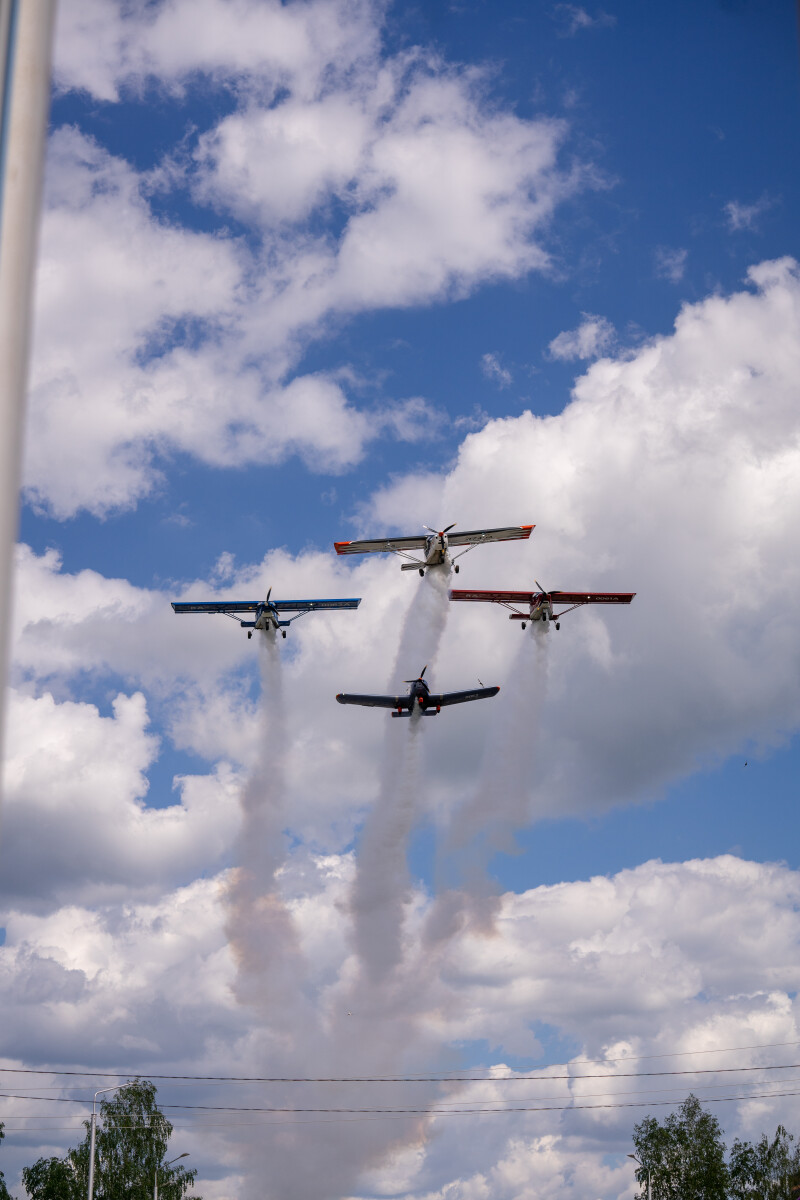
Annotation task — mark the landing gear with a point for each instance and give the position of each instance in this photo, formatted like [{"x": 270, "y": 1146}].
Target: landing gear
[
  {"x": 249, "y": 634},
  {"x": 283, "y": 633},
  {"x": 524, "y": 623},
  {"x": 456, "y": 568},
  {"x": 421, "y": 571},
  {"x": 558, "y": 624}
]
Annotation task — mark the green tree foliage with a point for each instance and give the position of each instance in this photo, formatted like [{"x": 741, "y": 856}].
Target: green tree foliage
[
  {"x": 52, "y": 1179},
  {"x": 3, "y": 1189},
  {"x": 685, "y": 1155},
  {"x": 765, "y": 1170},
  {"x": 131, "y": 1148}
]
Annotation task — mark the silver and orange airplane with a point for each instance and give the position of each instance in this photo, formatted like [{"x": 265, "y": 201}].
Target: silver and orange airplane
[
  {"x": 435, "y": 545},
  {"x": 541, "y": 605}
]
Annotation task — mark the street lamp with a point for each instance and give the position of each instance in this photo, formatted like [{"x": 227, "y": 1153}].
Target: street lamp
[
  {"x": 166, "y": 1164},
  {"x": 93, "y": 1127},
  {"x": 644, "y": 1168}
]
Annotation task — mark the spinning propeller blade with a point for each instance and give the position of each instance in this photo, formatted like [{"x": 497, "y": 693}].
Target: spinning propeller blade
[
  {"x": 269, "y": 593},
  {"x": 439, "y": 532},
  {"x": 419, "y": 677}
]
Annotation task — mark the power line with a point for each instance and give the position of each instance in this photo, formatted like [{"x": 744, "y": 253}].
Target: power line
[
  {"x": 381, "y": 1113},
  {"x": 463, "y": 1078}
]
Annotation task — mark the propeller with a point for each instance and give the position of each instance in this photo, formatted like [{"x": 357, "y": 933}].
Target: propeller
[
  {"x": 440, "y": 532},
  {"x": 269, "y": 593},
  {"x": 419, "y": 677},
  {"x": 543, "y": 590}
]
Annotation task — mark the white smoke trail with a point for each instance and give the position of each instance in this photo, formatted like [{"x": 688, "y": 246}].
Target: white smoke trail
[
  {"x": 259, "y": 926},
  {"x": 368, "y": 1020},
  {"x": 382, "y": 885},
  {"x": 501, "y": 801}
]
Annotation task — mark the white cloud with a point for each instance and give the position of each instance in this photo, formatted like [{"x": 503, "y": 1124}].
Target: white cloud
[
  {"x": 663, "y": 959},
  {"x": 75, "y": 824},
  {"x": 670, "y": 264},
  {"x": 236, "y": 43},
  {"x": 573, "y": 18},
  {"x": 495, "y": 371},
  {"x": 673, "y": 472},
  {"x": 195, "y": 337},
  {"x": 746, "y": 216},
  {"x": 593, "y": 337}
]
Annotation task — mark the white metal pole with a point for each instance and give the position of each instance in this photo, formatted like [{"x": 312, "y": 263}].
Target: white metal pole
[
  {"x": 93, "y": 1127},
  {"x": 26, "y": 31}
]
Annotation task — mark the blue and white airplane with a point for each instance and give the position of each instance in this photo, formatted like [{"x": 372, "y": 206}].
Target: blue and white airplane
[{"x": 266, "y": 612}]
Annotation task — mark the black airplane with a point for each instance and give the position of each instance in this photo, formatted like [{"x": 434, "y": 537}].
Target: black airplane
[{"x": 420, "y": 701}]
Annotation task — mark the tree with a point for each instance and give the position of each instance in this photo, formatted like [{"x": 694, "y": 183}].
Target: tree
[
  {"x": 685, "y": 1155},
  {"x": 52, "y": 1179},
  {"x": 131, "y": 1145},
  {"x": 765, "y": 1170},
  {"x": 3, "y": 1189}
]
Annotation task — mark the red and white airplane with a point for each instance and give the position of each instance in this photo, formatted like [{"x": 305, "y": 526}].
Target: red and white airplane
[
  {"x": 541, "y": 605},
  {"x": 434, "y": 545}
]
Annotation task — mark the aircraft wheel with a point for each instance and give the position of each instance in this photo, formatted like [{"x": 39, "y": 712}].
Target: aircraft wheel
[
  {"x": 421, "y": 571},
  {"x": 558, "y": 624},
  {"x": 456, "y": 568},
  {"x": 283, "y": 633},
  {"x": 249, "y": 634},
  {"x": 523, "y": 624}
]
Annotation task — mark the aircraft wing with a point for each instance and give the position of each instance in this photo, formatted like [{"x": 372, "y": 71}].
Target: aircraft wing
[
  {"x": 217, "y": 606},
  {"x": 309, "y": 605},
  {"x": 445, "y": 698},
  {"x": 380, "y": 545},
  {"x": 591, "y": 597},
  {"x": 376, "y": 701},
  {"x": 474, "y": 537},
  {"x": 554, "y": 597},
  {"x": 493, "y": 597}
]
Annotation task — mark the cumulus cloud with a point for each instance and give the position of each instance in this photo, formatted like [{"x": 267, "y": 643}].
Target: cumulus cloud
[
  {"x": 362, "y": 182},
  {"x": 664, "y": 959},
  {"x": 672, "y": 472},
  {"x": 593, "y": 337}
]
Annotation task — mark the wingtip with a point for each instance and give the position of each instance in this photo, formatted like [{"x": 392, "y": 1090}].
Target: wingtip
[{"x": 338, "y": 546}]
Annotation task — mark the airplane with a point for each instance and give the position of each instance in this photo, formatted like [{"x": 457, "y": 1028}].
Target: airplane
[
  {"x": 266, "y": 611},
  {"x": 540, "y": 604},
  {"x": 435, "y": 545},
  {"x": 420, "y": 700}
]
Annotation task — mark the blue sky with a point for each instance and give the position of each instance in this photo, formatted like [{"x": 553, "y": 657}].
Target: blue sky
[{"x": 310, "y": 271}]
